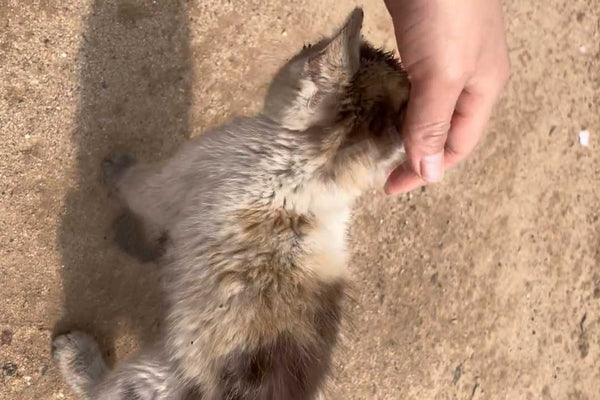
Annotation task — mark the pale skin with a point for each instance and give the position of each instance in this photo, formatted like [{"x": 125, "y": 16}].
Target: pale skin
[{"x": 456, "y": 56}]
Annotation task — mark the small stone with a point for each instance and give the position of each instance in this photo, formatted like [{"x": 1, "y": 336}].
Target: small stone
[
  {"x": 584, "y": 138},
  {"x": 457, "y": 374},
  {"x": 584, "y": 346},
  {"x": 9, "y": 369},
  {"x": 6, "y": 337}
]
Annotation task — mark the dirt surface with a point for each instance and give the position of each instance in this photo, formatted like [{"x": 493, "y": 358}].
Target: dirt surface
[{"x": 486, "y": 286}]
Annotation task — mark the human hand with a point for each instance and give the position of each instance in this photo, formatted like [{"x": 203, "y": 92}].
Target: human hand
[{"x": 457, "y": 61}]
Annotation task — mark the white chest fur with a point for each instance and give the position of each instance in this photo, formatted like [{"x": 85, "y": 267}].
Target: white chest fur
[{"x": 325, "y": 245}]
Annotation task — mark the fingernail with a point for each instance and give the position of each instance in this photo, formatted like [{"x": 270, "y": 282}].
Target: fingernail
[
  {"x": 387, "y": 187},
  {"x": 432, "y": 167}
]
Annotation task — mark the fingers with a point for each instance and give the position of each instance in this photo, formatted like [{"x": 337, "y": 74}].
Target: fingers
[
  {"x": 472, "y": 112},
  {"x": 403, "y": 179},
  {"x": 428, "y": 119},
  {"x": 457, "y": 62},
  {"x": 470, "y": 116}
]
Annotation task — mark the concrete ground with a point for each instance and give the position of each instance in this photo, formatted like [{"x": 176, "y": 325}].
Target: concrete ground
[{"x": 486, "y": 286}]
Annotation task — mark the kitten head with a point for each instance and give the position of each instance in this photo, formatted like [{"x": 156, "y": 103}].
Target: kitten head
[{"x": 347, "y": 97}]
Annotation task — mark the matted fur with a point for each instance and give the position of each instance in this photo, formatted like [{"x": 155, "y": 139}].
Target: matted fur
[{"x": 256, "y": 213}]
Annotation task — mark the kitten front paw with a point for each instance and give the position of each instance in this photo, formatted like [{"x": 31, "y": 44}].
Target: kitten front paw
[{"x": 79, "y": 359}]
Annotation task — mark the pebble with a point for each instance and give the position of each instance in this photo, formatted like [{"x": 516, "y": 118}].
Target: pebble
[
  {"x": 6, "y": 337},
  {"x": 9, "y": 369},
  {"x": 584, "y": 138}
]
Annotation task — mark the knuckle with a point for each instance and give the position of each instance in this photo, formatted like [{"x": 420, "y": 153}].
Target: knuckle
[
  {"x": 452, "y": 78},
  {"x": 451, "y": 150},
  {"x": 449, "y": 78},
  {"x": 495, "y": 79},
  {"x": 429, "y": 148},
  {"x": 502, "y": 72},
  {"x": 430, "y": 137}
]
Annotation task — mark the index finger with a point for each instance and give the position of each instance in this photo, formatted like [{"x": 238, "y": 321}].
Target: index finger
[{"x": 472, "y": 112}]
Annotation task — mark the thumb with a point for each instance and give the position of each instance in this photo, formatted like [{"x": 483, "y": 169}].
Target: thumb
[{"x": 426, "y": 124}]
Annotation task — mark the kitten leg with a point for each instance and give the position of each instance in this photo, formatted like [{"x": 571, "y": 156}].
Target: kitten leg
[
  {"x": 139, "y": 238},
  {"x": 147, "y": 376},
  {"x": 137, "y": 231},
  {"x": 79, "y": 360},
  {"x": 149, "y": 191}
]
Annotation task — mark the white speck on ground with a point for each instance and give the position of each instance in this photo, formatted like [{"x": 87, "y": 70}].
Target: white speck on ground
[{"x": 584, "y": 138}]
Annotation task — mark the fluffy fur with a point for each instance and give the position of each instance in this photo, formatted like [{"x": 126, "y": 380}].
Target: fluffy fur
[{"x": 256, "y": 213}]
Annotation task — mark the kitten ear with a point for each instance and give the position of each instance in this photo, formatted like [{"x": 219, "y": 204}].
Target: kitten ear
[
  {"x": 340, "y": 58},
  {"x": 306, "y": 91}
]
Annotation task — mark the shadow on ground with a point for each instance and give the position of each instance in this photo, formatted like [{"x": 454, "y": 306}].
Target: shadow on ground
[{"x": 135, "y": 97}]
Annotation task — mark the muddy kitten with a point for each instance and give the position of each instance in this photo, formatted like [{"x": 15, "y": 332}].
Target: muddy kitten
[{"x": 256, "y": 212}]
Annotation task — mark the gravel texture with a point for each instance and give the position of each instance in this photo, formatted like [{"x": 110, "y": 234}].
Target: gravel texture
[{"x": 486, "y": 286}]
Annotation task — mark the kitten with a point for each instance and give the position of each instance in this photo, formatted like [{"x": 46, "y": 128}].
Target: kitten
[{"x": 256, "y": 213}]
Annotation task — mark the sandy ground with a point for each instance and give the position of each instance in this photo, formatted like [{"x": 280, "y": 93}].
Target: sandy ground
[{"x": 486, "y": 286}]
